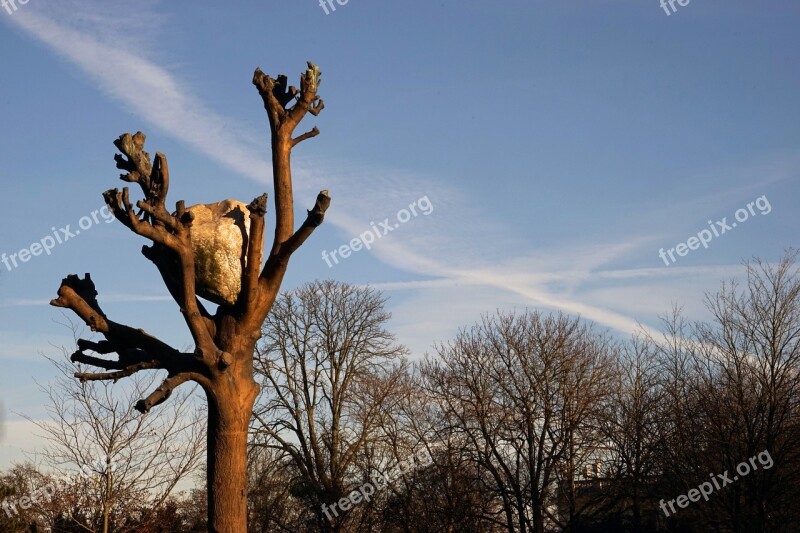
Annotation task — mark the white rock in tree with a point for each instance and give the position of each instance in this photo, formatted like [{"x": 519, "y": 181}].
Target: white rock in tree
[{"x": 219, "y": 241}]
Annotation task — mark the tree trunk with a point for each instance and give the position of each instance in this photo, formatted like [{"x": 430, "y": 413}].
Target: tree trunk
[
  {"x": 230, "y": 406},
  {"x": 107, "y": 488}
]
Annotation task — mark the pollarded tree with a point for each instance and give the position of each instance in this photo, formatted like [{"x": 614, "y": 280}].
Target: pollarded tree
[{"x": 222, "y": 361}]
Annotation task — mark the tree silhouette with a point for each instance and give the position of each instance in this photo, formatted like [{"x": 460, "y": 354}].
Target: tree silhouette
[{"x": 222, "y": 361}]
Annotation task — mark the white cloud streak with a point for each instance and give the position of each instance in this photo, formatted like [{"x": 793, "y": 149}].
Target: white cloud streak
[{"x": 443, "y": 247}]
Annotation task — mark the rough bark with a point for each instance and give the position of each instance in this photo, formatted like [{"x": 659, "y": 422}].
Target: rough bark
[
  {"x": 230, "y": 405},
  {"x": 222, "y": 361}
]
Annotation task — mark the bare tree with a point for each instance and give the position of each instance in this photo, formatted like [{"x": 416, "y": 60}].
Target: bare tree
[
  {"x": 117, "y": 458},
  {"x": 273, "y": 501},
  {"x": 222, "y": 361},
  {"x": 26, "y": 494},
  {"x": 522, "y": 391},
  {"x": 633, "y": 431},
  {"x": 330, "y": 374},
  {"x": 451, "y": 494},
  {"x": 748, "y": 370},
  {"x": 731, "y": 389},
  {"x": 676, "y": 356}
]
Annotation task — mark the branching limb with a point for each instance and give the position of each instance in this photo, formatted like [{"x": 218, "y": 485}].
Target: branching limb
[
  {"x": 136, "y": 349},
  {"x": 163, "y": 392},
  {"x": 168, "y": 264},
  {"x": 275, "y": 267},
  {"x": 274, "y": 95},
  {"x": 308, "y": 135},
  {"x": 137, "y": 163},
  {"x": 79, "y": 295},
  {"x": 313, "y": 220},
  {"x": 153, "y": 179},
  {"x": 102, "y": 347},
  {"x": 307, "y": 100},
  {"x": 126, "y": 356},
  {"x": 283, "y": 120},
  {"x": 170, "y": 231},
  {"x": 170, "y": 236},
  {"x": 277, "y": 97}
]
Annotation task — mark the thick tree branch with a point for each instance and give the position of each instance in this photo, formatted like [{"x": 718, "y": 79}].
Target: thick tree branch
[
  {"x": 126, "y": 356},
  {"x": 153, "y": 179},
  {"x": 313, "y": 220},
  {"x": 167, "y": 264},
  {"x": 163, "y": 392},
  {"x": 307, "y": 99},
  {"x": 116, "y": 376},
  {"x": 102, "y": 347},
  {"x": 138, "y": 161},
  {"x": 277, "y": 95},
  {"x": 308, "y": 135},
  {"x": 120, "y": 205},
  {"x": 79, "y": 295},
  {"x": 274, "y": 95},
  {"x": 255, "y": 251}
]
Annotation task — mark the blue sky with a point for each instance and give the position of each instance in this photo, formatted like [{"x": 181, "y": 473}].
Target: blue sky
[{"x": 561, "y": 145}]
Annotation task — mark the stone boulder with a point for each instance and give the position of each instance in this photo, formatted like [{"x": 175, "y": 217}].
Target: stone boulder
[{"x": 219, "y": 241}]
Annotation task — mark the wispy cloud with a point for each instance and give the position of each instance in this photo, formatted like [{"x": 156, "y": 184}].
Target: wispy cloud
[
  {"x": 444, "y": 246},
  {"x": 94, "y": 40}
]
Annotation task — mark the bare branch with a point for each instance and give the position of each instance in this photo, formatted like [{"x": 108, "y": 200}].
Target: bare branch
[
  {"x": 159, "y": 183},
  {"x": 102, "y": 347},
  {"x": 172, "y": 231},
  {"x": 308, "y": 135},
  {"x": 276, "y": 96},
  {"x": 255, "y": 250},
  {"x": 138, "y": 161},
  {"x": 79, "y": 295},
  {"x": 314, "y": 219},
  {"x": 273, "y": 94},
  {"x": 126, "y": 356},
  {"x": 317, "y": 107},
  {"x": 168, "y": 263},
  {"x": 163, "y": 392},
  {"x": 307, "y": 100},
  {"x": 116, "y": 376},
  {"x": 152, "y": 178}
]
